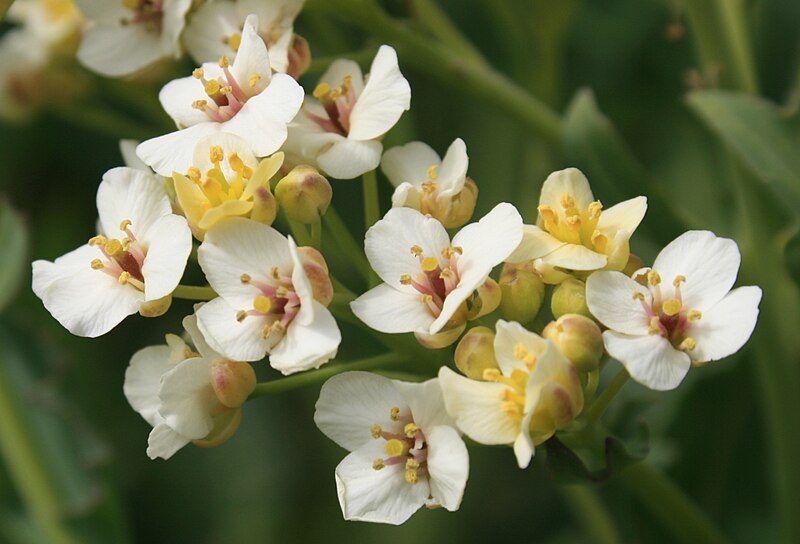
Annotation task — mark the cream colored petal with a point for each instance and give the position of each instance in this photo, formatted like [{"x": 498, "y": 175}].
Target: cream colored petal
[{"x": 571, "y": 181}]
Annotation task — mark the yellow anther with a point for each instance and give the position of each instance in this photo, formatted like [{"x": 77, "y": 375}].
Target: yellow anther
[
  {"x": 412, "y": 463},
  {"x": 694, "y": 315},
  {"x": 671, "y": 306},
  {"x": 227, "y": 89},
  {"x": 405, "y": 279},
  {"x": 234, "y": 41},
  {"x": 113, "y": 247},
  {"x": 411, "y": 476},
  {"x": 491, "y": 374},
  {"x": 679, "y": 279},
  {"x": 278, "y": 328},
  {"x": 574, "y": 222},
  {"x": 245, "y": 279},
  {"x": 425, "y": 299},
  {"x": 447, "y": 274},
  {"x": 416, "y": 250},
  {"x": 266, "y": 331},
  {"x": 275, "y": 272},
  {"x": 433, "y": 171},
  {"x": 237, "y": 165},
  {"x": 653, "y": 278},
  {"x": 224, "y": 61},
  {"x": 429, "y": 187},
  {"x": 98, "y": 240},
  {"x": 97, "y": 264},
  {"x": 126, "y": 243},
  {"x": 125, "y": 224},
  {"x": 253, "y": 80},
  {"x": 394, "y": 413},
  {"x": 688, "y": 344},
  {"x": 124, "y": 277},
  {"x": 240, "y": 315},
  {"x": 548, "y": 215},
  {"x": 638, "y": 295},
  {"x": 200, "y": 105},
  {"x": 520, "y": 352},
  {"x": 566, "y": 201},
  {"x": 281, "y": 292},
  {"x": 599, "y": 241},
  {"x": 376, "y": 431},
  {"x": 194, "y": 174},
  {"x": 212, "y": 87},
  {"x": 410, "y": 429},
  {"x": 198, "y": 73},
  {"x": 395, "y": 447},
  {"x": 216, "y": 154},
  {"x": 655, "y": 326},
  {"x": 511, "y": 409},
  {"x": 262, "y": 304},
  {"x": 321, "y": 90},
  {"x": 594, "y": 209},
  {"x": 448, "y": 252},
  {"x": 378, "y": 464}
]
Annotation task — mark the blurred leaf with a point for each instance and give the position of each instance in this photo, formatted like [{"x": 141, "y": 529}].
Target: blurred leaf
[
  {"x": 764, "y": 138},
  {"x": 14, "y": 242}
]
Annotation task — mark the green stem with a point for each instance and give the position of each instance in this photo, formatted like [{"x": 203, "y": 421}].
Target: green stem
[
  {"x": 592, "y": 381},
  {"x": 26, "y": 467},
  {"x": 316, "y": 234},
  {"x": 433, "y": 18},
  {"x": 666, "y": 501},
  {"x": 598, "y": 407},
  {"x": 299, "y": 231},
  {"x": 346, "y": 243},
  {"x": 372, "y": 211},
  {"x": 192, "y": 292},
  {"x": 315, "y": 376},
  {"x": 590, "y": 512},
  {"x": 4, "y": 5}
]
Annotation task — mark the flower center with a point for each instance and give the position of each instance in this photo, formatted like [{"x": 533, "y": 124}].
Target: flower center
[
  {"x": 123, "y": 258},
  {"x": 669, "y": 317},
  {"x": 513, "y": 396},
  {"x": 574, "y": 226},
  {"x": 338, "y": 103},
  {"x": 216, "y": 187},
  {"x": 430, "y": 190},
  {"x": 148, "y": 13},
  {"x": 435, "y": 279},
  {"x": 226, "y": 95},
  {"x": 407, "y": 447},
  {"x": 275, "y": 300}
]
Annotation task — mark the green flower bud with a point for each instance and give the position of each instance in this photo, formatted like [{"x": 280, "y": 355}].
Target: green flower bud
[
  {"x": 578, "y": 338},
  {"x": 523, "y": 292},
  {"x": 569, "y": 298},
  {"x": 316, "y": 270},
  {"x": 232, "y": 382},
  {"x": 475, "y": 352},
  {"x": 155, "y": 308},
  {"x": 485, "y": 300},
  {"x": 304, "y": 194},
  {"x": 441, "y": 339},
  {"x": 226, "y": 424}
]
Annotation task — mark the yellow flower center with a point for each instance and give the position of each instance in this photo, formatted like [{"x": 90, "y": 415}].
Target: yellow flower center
[
  {"x": 406, "y": 447},
  {"x": 572, "y": 225}
]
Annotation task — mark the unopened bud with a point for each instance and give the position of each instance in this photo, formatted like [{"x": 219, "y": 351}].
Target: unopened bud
[
  {"x": 475, "y": 352},
  {"x": 155, "y": 308},
  {"x": 299, "y": 56},
  {"x": 560, "y": 402},
  {"x": 316, "y": 270},
  {"x": 457, "y": 210},
  {"x": 634, "y": 263},
  {"x": 569, "y": 298},
  {"x": 441, "y": 339},
  {"x": 304, "y": 194},
  {"x": 522, "y": 292},
  {"x": 265, "y": 207},
  {"x": 578, "y": 338},
  {"x": 232, "y": 382},
  {"x": 486, "y": 299},
  {"x": 225, "y": 425}
]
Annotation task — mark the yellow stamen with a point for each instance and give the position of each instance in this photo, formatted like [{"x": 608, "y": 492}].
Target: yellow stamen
[
  {"x": 599, "y": 241},
  {"x": 425, "y": 299},
  {"x": 376, "y": 431},
  {"x": 124, "y": 277},
  {"x": 411, "y": 476},
  {"x": 594, "y": 209},
  {"x": 394, "y": 413},
  {"x": 574, "y": 222},
  {"x": 200, "y": 105},
  {"x": 262, "y": 304},
  {"x": 491, "y": 374},
  {"x": 198, "y": 73},
  {"x": 566, "y": 201},
  {"x": 212, "y": 87},
  {"x": 98, "y": 240},
  {"x": 510, "y": 396},
  {"x": 688, "y": 344},
  {"x": 548, "y": 215},
  {"x": 412, "y": 463},
  {"x": 97, "y": 264},
  {"x": 678, "y": 280},
  {"x": 447, "y": 274},
  {"x": 416, "y": 250},
  {"x": 238, "y": 166},
  {"x": 671, "y": 306},
  {"x": 113, "y": 247},
  {"x": 126, "y": 243},
  {"x": 410, "y": 429},
  {"x": 253, "y": 80},
  {"x": 655, "y": 326},
  {"x": 194, "y": 174},
  {"x": 520, "y": 352},
  {"x": 653, "y": 278},
  {"x": 395, "y": 447},
  {"x": 224, "y": 62},
  {"x": 432, "y": 171},
  {"x": 321, "y": 90},
  {"x": 694, "y": 315},
  {"x": 275, "y": 272},
  {"x": 234, "y": 41},
  {"x": 281, "y": 292},
  {"x": 245, "y": 279},
  {"x": 125, "y": 224},
  {"x": 378, "y": 464},
  {"x": 216, "y": 154},
  {"x": 511, "y": 409},
  {"x": 405, "y": 279},
  {"x": 240, "y": 315}
]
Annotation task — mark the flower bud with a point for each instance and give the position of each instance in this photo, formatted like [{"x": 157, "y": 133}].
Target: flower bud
[
  {"x": 578, "y": 338},
  {"x": 485, "y": 300},
  {"x": 265, "y": 207},
  {"x": 522, "y": 292},
  {"x": 441, "y": 339},
  {"x": 232, "y": 382},
  {"x": 304, "y": 194},
  {"x": 569, "y": 298},
  {"x": 475, "y": 352},
  {"x": 155, "y": 308},
  {"x": 299, "y": 56},
  {"x": 454, "y": 211},
  {"x": 316, "y": 270},
  {"x": 225, "y": 425},
  {"x": 560, "y": 402}
]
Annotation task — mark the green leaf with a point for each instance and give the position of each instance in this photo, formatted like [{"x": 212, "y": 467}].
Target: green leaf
[
  {"x": 765, "y": 138},
  {"x": 14, "y": 244}
]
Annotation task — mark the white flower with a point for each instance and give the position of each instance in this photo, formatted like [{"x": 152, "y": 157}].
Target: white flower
[
  {"x": 215, "y": 29},
  {"x": 174, "y": 388},
  {"x": 243, "y": 98},
  {"x": 266, "y": 302},
  {"x": 24, "y": 61},
  {"x": 51, "y": 22},
  {"x": 338, "y": 130},
  {"x": 427, "y": 277},
  {"x": 405, "y": 452},
  {"x": 535, "y": 392},
  {"x": 573, "y": 232},
  {"x": 128, "y": 36},
  {"x": 431, "y": 185},
  {"x": 93, "y": 288},
  {"x": 658, "y": 331}
]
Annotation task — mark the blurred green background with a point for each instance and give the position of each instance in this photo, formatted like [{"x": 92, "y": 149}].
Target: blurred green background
[{"x": 692, "y": 103}]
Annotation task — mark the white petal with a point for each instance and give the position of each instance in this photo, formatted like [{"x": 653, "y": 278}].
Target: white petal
[
  {"x": 536, "y": 243},
  {"x": 726, "y": 326},
  {"x": 477, "y": 408},
  {"x": 651, "y": 360},
  {"x": 126, "y": 193},
  {"x": 388, "y": 244},
  {"x": 348, "y": 159},
  {"x": 709, "y": 263},
  {"x": 188, "y": 399},
  {"x": 452, "y": 172},
  {"x": 143, "y": 379},
  {"x": 163, "y": 442},
  {"x": 386, "y": 309},
  {"x": 302, "y": 286},
  {"x": 570, "y": 180},
  {"x": 236, "y": 340},
  {"x": 170, "y": 243},
  {"x": 523, "y": 449},
  {"x": 173, "y": 152},
  {"x": 426, "y": 403},
  {"x": 117, "y": 50},
  {"x": 279, "y": 51},
  {"x": 623, "y": 216},
  {"x": 172, "y": 25},
  {"x": 409, "y": 163},
  {"x": 448, "y": 466},
  {"x": 307, "y": 346},
  {"x": 386, "y": 96},
  {"x": 407, "y": 195},
  {"x": 609, "y": 296},
  {"x": 381, "y": 496},
  {"x": 127, "y": 149},
  {"x": 352, "y": 402},
  {"x": 177, "y": 97},
  {"x": 252, "y": 59},
  {"x": 575, "y": 257},
  {"x": 208, "y": 29},
  {"x": 511, "y": 334},
  {"x": 339, "y": 69}
]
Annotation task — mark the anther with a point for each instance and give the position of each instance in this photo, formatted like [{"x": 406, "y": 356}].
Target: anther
[
  {"x": 97, "y": 264},
  {"x": 655, "y": 326},
  {"x": 234, "y": 41},
  {"x": 678, "y": 280},
  {"x": 124, "y": 277},
  {"x": 245, "y": 279},
  {"x": 638, "y": 296},
  {"x": 429, "y": 264},
  {"x": 416, "y": 250},
  {"x": 688, "y": 344},
  {"x": 216, "y": 154},
  {"x": 520, "y": 352},
  {"x": 125, "y": 224},
  {"x": 394, "y": 413},
  {"x": 253, "y": 80},
  {"x": 98, "y": 240},
  {"x": 653, "y": 278},
  {"x": 376, "y": 431},
  {"x": 411, "y": 476},
  {"x": 200, "y": 105},
  {"x": 275, "y": 272},
  {"x": 378, "y": 464},
  {"x": 594, "y": 209},
  {"x": 113, "y": 247},
  {"x": 599, "y": 241},
  {"x": 432, "y": 171},
  {"x": 574, "y": 222},
  {"x": 410, "y": 429},
  {"x": 405, "y": 279},
  {"x": 694, "y": 315},
  {"x": 491, "y": 374},
  {"x": 395, "y": 447},
  {"x": 224, "y": 61},
  {"x": 566, "y": 201},
  {"x": 321, "y": 90},
  {"x": 240, "y": 315},
  {"x": 198, "y": 73}
]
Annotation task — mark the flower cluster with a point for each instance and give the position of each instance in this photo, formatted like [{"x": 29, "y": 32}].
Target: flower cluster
[{"x": 237, "y": 193}]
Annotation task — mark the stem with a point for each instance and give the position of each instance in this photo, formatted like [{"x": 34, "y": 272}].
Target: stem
[
  {"x": 598, "y": 525},
  {"x": 372, "y": 211},
  {"x": 316, "y": 234},
  {"x": 192, "y": 292},
  {"x": 346, "y": 243},
  {"x": 667, "y": 502},
  {"x": 299, "y": 231},
  {"x": 592, "y": 381},
  {"x": 26, "y": 467},
  {"x": 315, "y": 376},
  {"x": 599, "y": 406}
]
